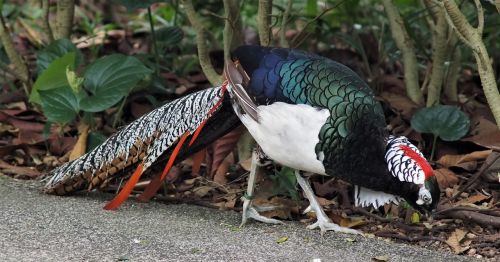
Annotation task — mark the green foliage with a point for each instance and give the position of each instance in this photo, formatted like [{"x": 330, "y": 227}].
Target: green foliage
[
  {"x": 59, "y": 90},
  {"x": 54, "y": 76},
  {"x": 56, "y": 50},
  {"x": 444, "y": 121},
  {"x": 109, "y": 79},
  {"x": 60, "y": 105},
  {"x": 132, "y": 5},
  {"x": 285, "y": 183},
  {"x": 94, "y": 139},
  {"x": 169, "y": 36}
]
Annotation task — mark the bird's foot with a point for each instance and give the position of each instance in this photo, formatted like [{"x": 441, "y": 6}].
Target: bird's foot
[
  {"x": 251, "y": 212},
  {"x": 330, "y": 226}
]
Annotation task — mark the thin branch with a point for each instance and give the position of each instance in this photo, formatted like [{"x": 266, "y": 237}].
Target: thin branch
[
  {"x": 294, "y": 41},
  {"x": 46, "y": 23},
  {"x": 203, "y": 56},
  {"x": 480, "y": 17},
  {"x": 19, "y": 65},
  {"x": 405, "y": 44},
  {"x": 476, "y": 176},
  {"x": 263, "y": 21},
  {"x": 284, "y": 21},
  {"x": 65, "y": 15},
  {"x": 9, "y": 70}
]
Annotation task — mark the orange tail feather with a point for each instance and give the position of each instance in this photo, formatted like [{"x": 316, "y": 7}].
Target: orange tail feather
[
  {"x": 155, "y": 184},
  {"x": 126, "y": 190}
]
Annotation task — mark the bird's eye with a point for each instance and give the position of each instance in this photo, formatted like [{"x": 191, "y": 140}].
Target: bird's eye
[{"x": 427, "y": 198}]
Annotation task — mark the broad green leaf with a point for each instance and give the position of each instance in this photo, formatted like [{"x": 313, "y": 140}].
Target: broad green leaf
[
  {"x": 55, "y": 50},
  {"x": 74, "y": 81},
  {"x": 446, "y": 122},
  {"x": 132, "y": 5},
  {"x": 94, "y": 139},
  {"x": 59, "y": 105},
  {"x": 53, "y": 77},
  {"x": 169, "y": 35},
  {"x": 285, "y": 183},
  {"x": 109, "y": 79},
  {"x": 312, "y": 8}
]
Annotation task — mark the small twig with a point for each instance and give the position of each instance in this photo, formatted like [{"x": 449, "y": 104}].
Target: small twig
[
  {"x": 476, "y": 176},
  {"x": 462, "y": 208},
  {"x": 183, "y": 200},
  {"x": 392, "y": 234},
  {"x": 377, "y": 217},
  {"x": 155, "y": 45},
  {"x": 46, "y": 23},
  {"x": 312, "y": 21},
  {"x": 473, "y": 216}
]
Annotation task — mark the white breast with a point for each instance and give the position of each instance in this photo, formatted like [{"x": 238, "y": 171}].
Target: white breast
[{"x": 288, "y": 134}]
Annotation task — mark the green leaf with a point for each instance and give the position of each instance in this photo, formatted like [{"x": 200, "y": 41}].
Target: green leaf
[
  {"x": 446, "y": 122},
  {"x": 282, "y": 240},
  {"x": 169, "y": 35},
  {"x": 132, "y": 5},
  {"x": 94, "y": 140},
  {"x": 285, "y": 183},
  {"x": 56, "y": 50},
  {"x": 74, "y": 81},
  {"x": 312, "y": 8},
  {"x": 53, "y": 77},
  {"x": 60, "y": 104},
  {"x": 415, "y": 218},
  {"x": 109, "y": 79}
]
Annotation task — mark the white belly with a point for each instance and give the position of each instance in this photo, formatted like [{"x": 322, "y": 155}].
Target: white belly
[{"x": 288, "y": 134}]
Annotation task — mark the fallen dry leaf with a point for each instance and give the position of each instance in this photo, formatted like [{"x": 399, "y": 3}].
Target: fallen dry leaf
[
  {"x": 484, "y": 133},
  {"x": 202, "y": 191},
  {"x": 218, "y": 151},
  {"x": 282, "y": 240},
  {"x": 473, "y": 199},
  {"x": 454, "y": 160},
  {"x": 19, "y": 171},
  {"x": 281, "y": 207},
  {"x": 400, "y": 104},
  {"x": 381, "y": 258},
  {"x": 454, "y": 241},
  {"x": 352, "y": 221},
  {"x": 81, "y": 143},
  {"x": 246, "y": 164},
  {"x": 198, "y": 159},
  {"x": 445, "y": 177}
]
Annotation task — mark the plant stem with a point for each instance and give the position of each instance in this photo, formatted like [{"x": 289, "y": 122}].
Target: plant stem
[
  {"x": 263, "y": 21},
  {"x": 284, "y": 21},
  {"x": 65, "y": 15},
  {"x": 119, "y": 112},
  {"x": 155, "y": 45},
  {"x": 405, "y": 44},
  {"x": 434, "y": 141},
  {"x": 199, "y": 27},
  {"x": 46, "y": 23}
]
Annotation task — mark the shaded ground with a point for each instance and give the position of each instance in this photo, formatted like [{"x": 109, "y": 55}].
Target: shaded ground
[{"x": 39, "y": 227}]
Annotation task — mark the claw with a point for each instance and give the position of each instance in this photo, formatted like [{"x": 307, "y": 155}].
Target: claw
[
  {"x": 323, "y": 222},
  {"x": 250, "y": 212}
]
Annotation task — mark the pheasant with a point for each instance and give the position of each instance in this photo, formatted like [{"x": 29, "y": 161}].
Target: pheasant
[{"x": 305, "y": 111}]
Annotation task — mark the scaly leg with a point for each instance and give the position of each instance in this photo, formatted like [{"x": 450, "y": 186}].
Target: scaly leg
[
  {"x": 248, "y": 210},
  {"x": 323, "y": 222}
]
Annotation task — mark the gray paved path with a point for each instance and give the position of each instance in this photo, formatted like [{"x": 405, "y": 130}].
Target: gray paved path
[{"x": 39, "y": 227}]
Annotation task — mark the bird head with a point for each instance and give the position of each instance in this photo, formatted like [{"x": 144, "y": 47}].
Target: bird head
[{"x": 408, "y": 164}]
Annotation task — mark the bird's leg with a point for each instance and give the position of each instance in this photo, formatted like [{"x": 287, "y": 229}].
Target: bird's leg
[
  {"x": 248, "y": 210},
  {"x": 323, "y": 222}
]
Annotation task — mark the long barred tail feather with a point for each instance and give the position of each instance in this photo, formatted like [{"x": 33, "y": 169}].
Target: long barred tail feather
[{"x": 145, "y": 140}]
